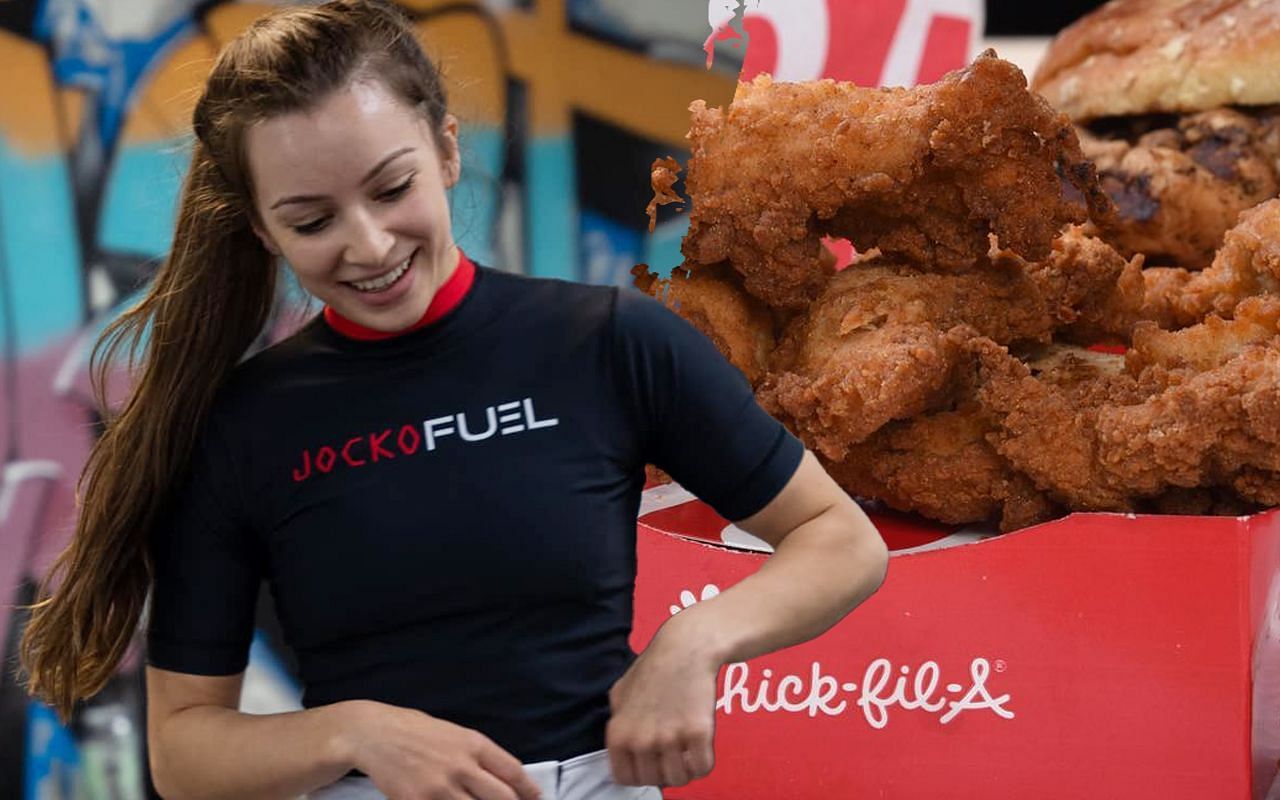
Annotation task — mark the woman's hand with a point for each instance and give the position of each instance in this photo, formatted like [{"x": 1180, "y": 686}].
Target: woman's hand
[
  {"x": 827, "y": 559},
  {"x": 410, "y": 755},
  {"x": 664, "y": 712}
]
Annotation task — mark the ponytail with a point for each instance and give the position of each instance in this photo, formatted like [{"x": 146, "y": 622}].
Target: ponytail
[{"x": 209, "y": 301}]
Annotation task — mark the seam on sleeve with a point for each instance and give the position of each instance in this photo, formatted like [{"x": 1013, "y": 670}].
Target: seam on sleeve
[
  {"x": 623, "y": 367},
  {"x": 238, "y": 516},
  {"x": 218, "y": 437},
  {"x": 615, "y": 358}
]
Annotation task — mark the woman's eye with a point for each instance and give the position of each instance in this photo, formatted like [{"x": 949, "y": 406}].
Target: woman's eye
[
  {"x": 396, "y": 191},
  {"x": 311, "y": 227},
  {"x": 390, "y": 195}
]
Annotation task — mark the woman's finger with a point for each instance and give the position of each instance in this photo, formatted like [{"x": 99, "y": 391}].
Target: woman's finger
[
  {"x": 507, "y": 768},
  {"x": 699, "y": 759},
  {"x": 484, "y": 785},
  {"x": 622, "y": 764},
  {"x": 672, "y": 766},
  {"x": 648, "y": 767}
]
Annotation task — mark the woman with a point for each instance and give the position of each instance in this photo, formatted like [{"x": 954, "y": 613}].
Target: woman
[{"x": 438, "y": 476}]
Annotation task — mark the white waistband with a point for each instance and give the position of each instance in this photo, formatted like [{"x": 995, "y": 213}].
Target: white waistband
[{"x": 584, "y": 777}]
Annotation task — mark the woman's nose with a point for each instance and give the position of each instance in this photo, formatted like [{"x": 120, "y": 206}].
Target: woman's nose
[{"x": 368, "y": 242}]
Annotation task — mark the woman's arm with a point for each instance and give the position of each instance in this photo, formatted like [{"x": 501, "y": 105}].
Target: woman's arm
[
  {"x": 827, "y": 559},
  {"x": 202, "y": 747}
]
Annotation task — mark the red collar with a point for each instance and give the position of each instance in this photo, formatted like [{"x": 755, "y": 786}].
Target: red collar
[{"x": 447, "y": 298}]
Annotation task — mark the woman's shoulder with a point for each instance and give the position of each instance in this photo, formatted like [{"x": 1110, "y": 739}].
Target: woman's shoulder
[
  {"x": 624, "y": 314},
  {"x": 537, "y": 300},
  {"x": 543, "y": 289},
  {"x": 268, "y": 366}
]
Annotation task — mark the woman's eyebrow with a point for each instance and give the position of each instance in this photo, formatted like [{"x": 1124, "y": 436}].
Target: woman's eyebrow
[{"x": 373, "y": 173}]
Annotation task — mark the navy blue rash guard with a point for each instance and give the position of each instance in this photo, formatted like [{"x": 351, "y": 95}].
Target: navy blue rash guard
[{"x": 446, "y": 519}]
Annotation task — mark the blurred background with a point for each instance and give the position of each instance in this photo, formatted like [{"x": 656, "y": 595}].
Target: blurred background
[{"x": 565, "y": 104}]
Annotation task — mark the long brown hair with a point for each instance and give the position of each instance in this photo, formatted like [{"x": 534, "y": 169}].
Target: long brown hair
[{"x": 209, "y": 302}]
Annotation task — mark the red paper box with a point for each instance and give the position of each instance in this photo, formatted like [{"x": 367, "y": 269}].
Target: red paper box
[{"x": 1097, "y": 656}]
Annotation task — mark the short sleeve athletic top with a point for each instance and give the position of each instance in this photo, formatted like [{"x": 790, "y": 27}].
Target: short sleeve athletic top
[{"x": 446, "y": 518}]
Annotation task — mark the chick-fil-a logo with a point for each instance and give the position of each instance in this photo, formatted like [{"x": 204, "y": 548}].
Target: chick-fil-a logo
[
  {"x": 882, "y": 689},
  {"x": 869, "y": 42}
]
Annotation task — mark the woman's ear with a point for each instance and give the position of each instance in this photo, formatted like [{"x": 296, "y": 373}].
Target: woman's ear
[
  {"x": 450, "y": 157},
  {"x": 268, "y": 241}
]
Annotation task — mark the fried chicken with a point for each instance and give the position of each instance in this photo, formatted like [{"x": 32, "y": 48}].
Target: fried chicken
[
  {"x": 1203, "y": 347},
  {"x": 1093, "y": 294},
  {"x": 1194, "y": 408},
  {"x": 713, "y": 301},
  {"x": 1180, "y": 185},
  {"x": 1185, "y": 422},
  {"x": 883, "y": 342},
  {"x": 941, "y": 464},
  {"x": 942, "y": 467},
  {"x": 1248, "y": 264},
  {"x": 662, "y": 176},
  {"x": 923, "y": 174},
  {"x": 841, "y": 388},
  {"x": 946, "y": 372},
  {"x": 1215, "y": 502}
]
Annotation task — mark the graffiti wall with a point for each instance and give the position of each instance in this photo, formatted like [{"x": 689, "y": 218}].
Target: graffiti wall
[{"x": 564, "y": 103}]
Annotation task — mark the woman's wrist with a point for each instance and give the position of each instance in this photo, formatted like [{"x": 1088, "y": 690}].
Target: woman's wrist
[
  {"x": 698, "y": 631},
  {"x": 345, "y": 725}
]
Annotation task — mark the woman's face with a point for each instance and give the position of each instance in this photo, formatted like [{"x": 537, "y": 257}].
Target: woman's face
[{"x": 352, "y": 194}]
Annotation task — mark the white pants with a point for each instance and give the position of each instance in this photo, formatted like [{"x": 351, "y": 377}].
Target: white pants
[{"x": 585, "y": 777}]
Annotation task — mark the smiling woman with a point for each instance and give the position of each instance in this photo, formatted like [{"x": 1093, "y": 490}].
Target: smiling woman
[
  {"x": 438, "y": 476},
  {"x": 372, "y": 242}
]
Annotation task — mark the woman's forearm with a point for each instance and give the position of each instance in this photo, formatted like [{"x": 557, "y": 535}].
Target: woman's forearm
[
  {"x": 818, "y": 573},
  {"x": 214, "y": 752}
]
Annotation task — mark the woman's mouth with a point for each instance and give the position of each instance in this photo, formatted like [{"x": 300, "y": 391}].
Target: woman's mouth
[{"x": 384, "y": 281}]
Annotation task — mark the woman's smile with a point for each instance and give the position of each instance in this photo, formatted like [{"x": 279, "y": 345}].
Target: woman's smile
[{"x": 388, "y": 287}]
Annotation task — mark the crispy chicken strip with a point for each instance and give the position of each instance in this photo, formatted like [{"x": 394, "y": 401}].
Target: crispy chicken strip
[
  {"x": 924, "y": 174},
  {"x": 872, "y": 377},
  {"x": 942, "y": 467},
  {"x": 1093, "y": 294},
  {"x": 1195, "y": 408},
  {"x": 1208, "y": 345},
  {"x": 712, "y": 299},
  {"x": 883, "y": 342},
  {"x": 1248, "y": 264}
]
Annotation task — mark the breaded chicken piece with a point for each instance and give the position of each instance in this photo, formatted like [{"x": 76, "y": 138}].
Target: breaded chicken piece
[
  {"x": 1195, "y": 408},
  {"x": 1248, "y": 264},
  {"x": 712, "y": 299},
  {"x": 924, "y": 174},
  {"x": 839, "y": 393},
  {"x": 1203, "y": 347},
  {"x": 942, "y": 467},
  {"x": 882, "y": 342},
  {"x": 1093, "y": 294}
]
